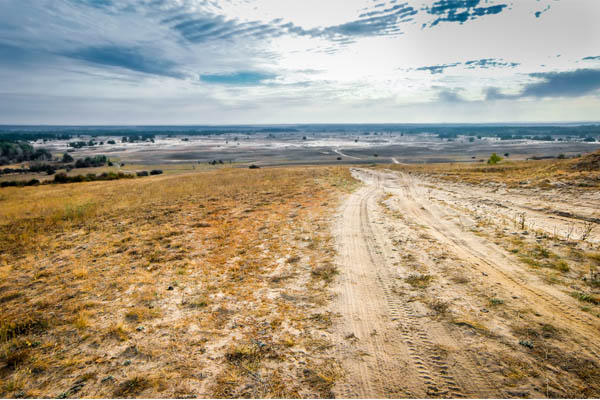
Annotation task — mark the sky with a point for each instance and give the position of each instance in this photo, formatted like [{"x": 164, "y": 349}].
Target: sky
[{"x": 136, "y": 62}]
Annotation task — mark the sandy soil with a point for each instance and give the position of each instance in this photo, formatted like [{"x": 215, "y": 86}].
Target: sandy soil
[{"x": 432, "y": 304}]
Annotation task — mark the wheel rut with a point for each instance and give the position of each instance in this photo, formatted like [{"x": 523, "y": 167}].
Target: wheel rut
[
  {"x": 488, "y": 263},
  {"x": 406, "y": 351}
]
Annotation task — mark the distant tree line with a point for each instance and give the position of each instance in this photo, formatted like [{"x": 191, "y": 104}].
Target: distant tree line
[
  {"x": 62, "y": 178},
  {"x": 67, "y": 163},
  {"x": 145, "y": 137},
  {"x": 16, "y": 152}
]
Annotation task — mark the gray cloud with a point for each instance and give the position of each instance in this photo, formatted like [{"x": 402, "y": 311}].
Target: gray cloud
[
  {"x": 131, "y": 58},
  {"x": 461, "y": 10},
  {"x": 575, "y": 83},
  {"x": 563, "y": 84},
  {"x": 449, "y": 96},
  {"x": 484, "y": 63},
  {"x": 210, "y": 28},
  {"x": 437, "y": 69}
]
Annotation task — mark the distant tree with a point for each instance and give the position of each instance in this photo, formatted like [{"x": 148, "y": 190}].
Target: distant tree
[
  {"x": 67, "y": 158},
  {"x": 494, "y": 159},
  {"x": 506, "y": 155},
  {"x": 111, "y": 142}
]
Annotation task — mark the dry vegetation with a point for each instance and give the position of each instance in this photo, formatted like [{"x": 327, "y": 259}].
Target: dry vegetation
[
  {"x": 579, "y": 172},
  {"x": 206, "y": 284}
]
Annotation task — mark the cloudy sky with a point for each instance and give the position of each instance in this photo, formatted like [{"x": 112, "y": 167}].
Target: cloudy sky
[{"x": 294, "y": 61}]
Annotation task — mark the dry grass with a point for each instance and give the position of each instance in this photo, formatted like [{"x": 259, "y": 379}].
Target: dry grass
[
  {"x": 175, "y": 266},
  {"x": 539, "y": 173},
  {"x": 419, "y": 281}
]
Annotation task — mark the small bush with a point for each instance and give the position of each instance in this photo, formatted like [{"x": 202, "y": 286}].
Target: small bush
[
  {"x": 24, "y": 324},
  {"x": 325, "y": 272},
  {"x": 142, "y": 173},
  {"x": 156, "y": 172},
  {"x": 131, "y": 387},
  {"x": 67, "y": 158},
  {"x": 494, "y": 159},
  {"x": 586, "y": 297},
  {"x": 419, "y": 281}
]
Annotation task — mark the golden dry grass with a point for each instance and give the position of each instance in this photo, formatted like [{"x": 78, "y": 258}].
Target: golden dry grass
[
  {"x": 535, "y": 173},
  {"x": 108, "y": 281}
]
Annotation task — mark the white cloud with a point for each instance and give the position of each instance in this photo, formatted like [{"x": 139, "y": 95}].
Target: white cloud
[{"x": 333, "y": 61}]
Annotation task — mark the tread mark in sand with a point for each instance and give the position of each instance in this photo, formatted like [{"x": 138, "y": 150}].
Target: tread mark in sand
[
  {"x": 550, "y": 301},
  {"x": 432, "y": 370}
]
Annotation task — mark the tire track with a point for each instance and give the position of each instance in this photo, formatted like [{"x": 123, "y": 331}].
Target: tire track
[
  {"x": 466, "y": 251},
  {"x": 426, "y": 355},
  {"x": 405, "y": 342},
  {"x": 432, "y": 370}
]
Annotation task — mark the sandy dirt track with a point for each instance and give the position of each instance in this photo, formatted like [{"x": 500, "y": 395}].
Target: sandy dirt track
[{"x": 398, "y": 340}]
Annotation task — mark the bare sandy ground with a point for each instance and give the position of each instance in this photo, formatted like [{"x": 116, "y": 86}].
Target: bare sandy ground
[{"x": 430, "y": 306}]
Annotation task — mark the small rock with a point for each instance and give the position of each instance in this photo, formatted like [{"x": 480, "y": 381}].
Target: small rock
[
  {"x": 484, "y": 310},
  {"x": 484, "y": 274},
  {"x": 170, "y": 288},
  {"x": 139, "y": 328}
]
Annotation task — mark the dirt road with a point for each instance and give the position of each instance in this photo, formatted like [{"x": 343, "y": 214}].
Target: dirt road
[{"x": 429, "y": 307}]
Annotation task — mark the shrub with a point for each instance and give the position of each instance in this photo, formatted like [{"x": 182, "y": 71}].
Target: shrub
[
  {"x": 156, "y": 172},
  {"x": 142, "y": 173},
  {"x": 494, "y": 159},
  {"x": 67, "y": 158},
  {"x": 88, "y": 162}
]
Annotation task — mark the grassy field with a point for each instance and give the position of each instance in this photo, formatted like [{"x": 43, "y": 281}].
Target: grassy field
[{"x": 199, "y": 284}]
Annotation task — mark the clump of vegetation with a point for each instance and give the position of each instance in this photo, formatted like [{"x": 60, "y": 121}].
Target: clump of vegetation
[
  {"x": 496, "y": 302},
  {"x": 13, "y": 326},
  {"x": 67, "y": 158},
  {"x": 439, "y": 306},
  {"x": 325, "y": 272},
  {"x": 494, "y": 159},
  {"x": 105, "y": 176},
  {"x": 131, "y": 387},
  {"x": 586, "y": 297},
  {"x": 16, "y": 152},
  {"x": 419, "y": 281},
  {"x": 89, "y": 162}
]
